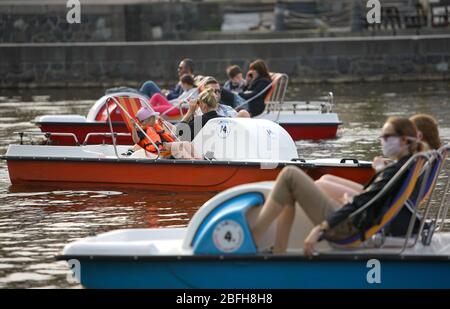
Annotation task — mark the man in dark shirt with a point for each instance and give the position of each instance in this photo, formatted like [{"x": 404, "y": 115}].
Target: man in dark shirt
[{"x": 149, "y": 88}]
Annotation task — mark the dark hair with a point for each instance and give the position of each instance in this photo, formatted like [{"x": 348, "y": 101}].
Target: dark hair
[
  {"x": 189, "y": 63},
  {"x": 406, "y": 128},
  {"x": 187, "y": 79},
  {"x": 233, "y": 71},
  {"x": 210, "y": 80},
  {"x": 261, "y": 67},
  {"x": 428, "y": 126}
]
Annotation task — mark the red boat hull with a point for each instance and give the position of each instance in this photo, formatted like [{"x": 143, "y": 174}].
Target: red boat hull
[
  {"x": 169, "y": 175},
  {"x": 311, "y": 131}
]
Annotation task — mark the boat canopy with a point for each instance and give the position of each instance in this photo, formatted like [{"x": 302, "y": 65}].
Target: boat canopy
[{"x": 245, "y": 139}]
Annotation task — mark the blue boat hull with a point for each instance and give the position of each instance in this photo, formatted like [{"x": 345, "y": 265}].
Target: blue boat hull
[{"x": 261, "y": 274}]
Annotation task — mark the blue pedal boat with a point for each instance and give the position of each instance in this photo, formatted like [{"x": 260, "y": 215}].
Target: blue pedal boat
[{"x": 216, "y": 250}]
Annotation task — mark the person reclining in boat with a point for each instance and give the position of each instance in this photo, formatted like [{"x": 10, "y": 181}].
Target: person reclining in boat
[
  {"x": 160, "y": 135},
  {"x": 190, "y": 92},
  {"x": 252, "y": 97},
  {"x": 149, "y": 88},
  {"x": 341, "y": 189},
  {"x": 330, "y": 217}
]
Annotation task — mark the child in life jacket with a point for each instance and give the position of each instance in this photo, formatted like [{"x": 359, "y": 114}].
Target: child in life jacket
[{"x": 157, "y": 138}]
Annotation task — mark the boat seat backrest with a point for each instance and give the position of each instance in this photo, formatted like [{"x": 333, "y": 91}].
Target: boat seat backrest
[
  {"x": 130, "y": 105},
  {"x": 414, "y": 168},
  {"x": 277, "y": 92},
  {"x": 431, "y": 181}
]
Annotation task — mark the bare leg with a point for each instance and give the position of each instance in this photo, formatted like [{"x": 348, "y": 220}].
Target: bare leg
[
  {"x": 335, "y": 190},
  {"x": 183, "y": 150},
  {"x": 342, "y": 181},
  {"x": 292, "y": 185}
]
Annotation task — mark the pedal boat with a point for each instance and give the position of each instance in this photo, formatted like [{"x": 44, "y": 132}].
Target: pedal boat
[
  {"x": 237, "y": 151},
  {"x": 216, "y": 250},
  {"x": 303, "y": 120}
]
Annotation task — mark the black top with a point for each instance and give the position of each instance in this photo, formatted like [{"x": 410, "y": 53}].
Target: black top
[
  {"x": 226, "y": 97},
  {"x": 373, "y": 214},
  {"x": 257, "y": 105},
  {"x": 194, "y": 124}
]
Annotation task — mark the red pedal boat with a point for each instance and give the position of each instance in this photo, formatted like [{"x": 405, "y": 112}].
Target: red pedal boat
[
  {"x": 238, "y": 151},
  {"x": 311, "y": 120}
]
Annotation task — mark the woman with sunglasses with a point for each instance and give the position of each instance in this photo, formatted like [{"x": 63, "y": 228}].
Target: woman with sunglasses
[
  {"x": 330, "y": 216},
  {"x": 342, "y": 190}
]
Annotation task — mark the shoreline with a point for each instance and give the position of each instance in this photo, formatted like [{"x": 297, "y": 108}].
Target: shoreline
[{"x": 304, "y": 60}]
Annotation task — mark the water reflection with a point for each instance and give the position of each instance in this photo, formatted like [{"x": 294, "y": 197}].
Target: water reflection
[{"x": 36, "y": 222}]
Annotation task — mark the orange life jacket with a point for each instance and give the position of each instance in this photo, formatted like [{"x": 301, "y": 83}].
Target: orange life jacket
[{"x": 158, "y": 135}]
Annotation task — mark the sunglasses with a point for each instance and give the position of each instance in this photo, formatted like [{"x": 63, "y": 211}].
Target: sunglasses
[{"x": 386, "y": 136}]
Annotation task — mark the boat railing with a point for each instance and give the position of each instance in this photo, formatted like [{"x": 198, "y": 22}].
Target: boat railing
[
  {"x": 136, "y": 125},
  {"x": 324, "y": 107},
  {"x": 104, "y": 134},
  {"x": 275, "y": 98},
  {"x": 441, "y": 214},
  {"x": 47, "y": 135}
]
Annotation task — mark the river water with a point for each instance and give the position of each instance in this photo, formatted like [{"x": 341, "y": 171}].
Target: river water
[{"x": 36, "y": 221}]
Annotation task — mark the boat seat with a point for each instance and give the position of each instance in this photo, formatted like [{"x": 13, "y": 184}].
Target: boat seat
[
  {"x": 98, "y": 111},
  {"x": 415, "y": 168},
  {"x": 129, "y": 106},
  {"x": 278, "y": 89}
]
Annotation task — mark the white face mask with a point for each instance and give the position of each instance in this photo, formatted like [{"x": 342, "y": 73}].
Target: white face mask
[{"x": 391, "y": 147}]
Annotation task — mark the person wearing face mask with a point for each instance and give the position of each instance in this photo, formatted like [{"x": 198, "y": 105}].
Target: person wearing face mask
[
  {"x": 341, "y": 189},
  {"x": 332, "y": 218}
]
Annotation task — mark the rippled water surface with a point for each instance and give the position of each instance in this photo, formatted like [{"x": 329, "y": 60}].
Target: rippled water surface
[{"x": 37, "y": 221}]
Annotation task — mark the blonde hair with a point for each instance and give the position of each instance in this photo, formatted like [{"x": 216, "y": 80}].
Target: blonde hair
[{"x": 209, "y": 98}]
